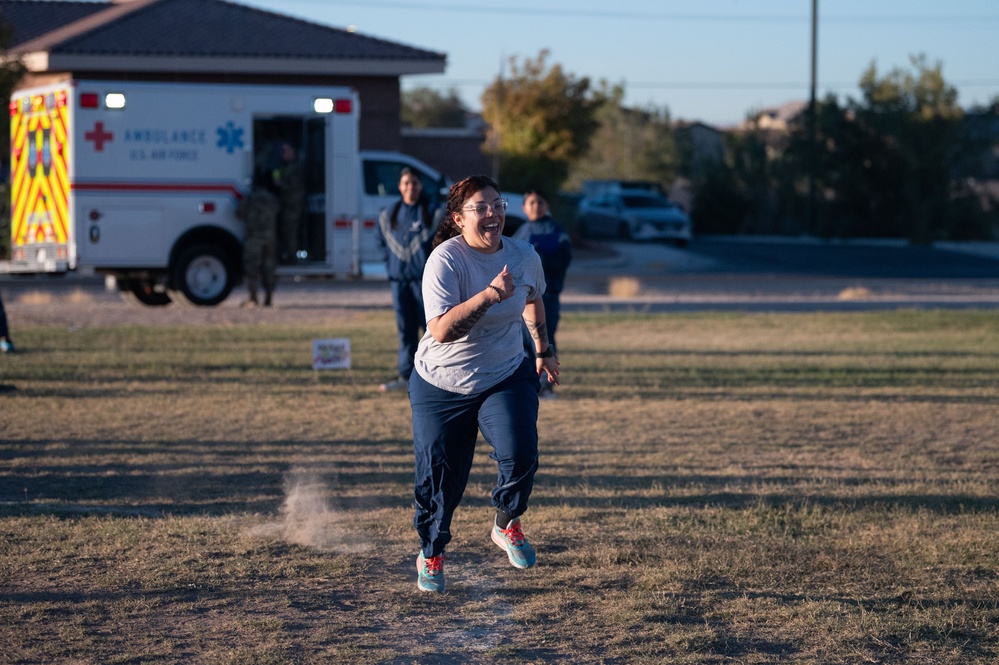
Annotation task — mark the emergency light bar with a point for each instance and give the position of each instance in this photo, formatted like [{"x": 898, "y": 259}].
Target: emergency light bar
[
  {"x": 327, "y": 105},
  {"x": 112, "y": 100}
]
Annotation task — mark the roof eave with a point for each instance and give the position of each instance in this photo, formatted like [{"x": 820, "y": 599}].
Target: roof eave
[
  {"x": 37, "y": 61},
  {"x": 43, "y": 61},
  {"x": 115, "y": 10}
]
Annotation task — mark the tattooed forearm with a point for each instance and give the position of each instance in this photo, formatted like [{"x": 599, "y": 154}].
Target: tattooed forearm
[
  {"x": 461, "y": 327},
  {"x": 538, "y": 330}
]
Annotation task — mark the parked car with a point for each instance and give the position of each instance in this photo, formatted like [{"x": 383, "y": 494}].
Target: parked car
[
  {"x": 595, "y": 187},
  {"x": 633, "y": 215},
  {"x": 515, "y": 215}
]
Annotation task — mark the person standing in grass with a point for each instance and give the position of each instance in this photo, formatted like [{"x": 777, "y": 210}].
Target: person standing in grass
[
  {"x": 552, "y": 244},
  {"x": 6, "y": 345},
  {"x": 259, "y": 210},
  {"x": 473, "y": 373},
  {"x": 290, "y": 184},
  {"x": 406, "y": 233}
]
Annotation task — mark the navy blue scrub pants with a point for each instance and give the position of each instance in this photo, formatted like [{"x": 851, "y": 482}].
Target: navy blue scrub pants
[
  {"x": 407, "y": 300},
  {"x": 445, "y": 427}
]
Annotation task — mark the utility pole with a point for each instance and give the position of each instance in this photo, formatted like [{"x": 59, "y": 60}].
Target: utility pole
[
  {"x": 500, "y": 93},
  {"x": 812, "y": 147}
]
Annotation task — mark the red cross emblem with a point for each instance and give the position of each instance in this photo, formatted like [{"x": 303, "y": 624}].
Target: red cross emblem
[{"x": 98, "y": 136}]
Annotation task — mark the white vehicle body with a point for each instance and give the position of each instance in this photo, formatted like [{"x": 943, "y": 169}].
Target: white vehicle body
[
  {"x": 141, "y": 180},
  {"x": 379, "y": 178},
  {"x": 633, "y": 215}
]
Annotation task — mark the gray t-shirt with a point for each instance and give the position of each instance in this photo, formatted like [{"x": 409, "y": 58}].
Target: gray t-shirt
[{"x": 494, "y": 347}]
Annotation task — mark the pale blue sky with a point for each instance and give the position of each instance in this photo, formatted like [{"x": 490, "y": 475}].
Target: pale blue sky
[{"x": 709, "y": 60}]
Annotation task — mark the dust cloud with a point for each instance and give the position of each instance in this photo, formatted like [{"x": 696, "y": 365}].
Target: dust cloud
[{"x": 308, "y": 519}]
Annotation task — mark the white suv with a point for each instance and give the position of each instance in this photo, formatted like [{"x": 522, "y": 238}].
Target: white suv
[{"x": 633, "y": 214}]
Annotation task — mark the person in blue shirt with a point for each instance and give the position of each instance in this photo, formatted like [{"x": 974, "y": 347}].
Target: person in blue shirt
[
  {"x": 552, "y": 244},
  {"x": 405, "y": 233}
]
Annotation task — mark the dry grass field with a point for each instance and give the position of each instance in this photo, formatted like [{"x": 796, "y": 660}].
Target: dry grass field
[{"x": 714, "y": 488}]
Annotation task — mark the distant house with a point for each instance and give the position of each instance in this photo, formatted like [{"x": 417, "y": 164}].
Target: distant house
[
  {"x": 774, "y": 125},
  {"x": 778, "y": 119},
  {"x": 213, "y": 41}
]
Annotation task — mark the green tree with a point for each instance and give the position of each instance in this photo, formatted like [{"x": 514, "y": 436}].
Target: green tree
[
  {"x": 915, "y": 120},
  {"x": 889, "y": 164},
  {"x": 541, "y": 119},
  {"x": 628, "y": 144},
  {"x": 425, "y": 107},
  {"x": 719, "y": 203},
  {"x": 753, "y": 190},
  {"x": 756, "y": 172},
  {"x": 977, "y": 216},
  {"x": 886, "y": 161}
]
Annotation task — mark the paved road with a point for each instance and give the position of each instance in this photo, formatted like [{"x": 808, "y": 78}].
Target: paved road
[
  {"x": 786, "y": 275},
  {"x": 711, "y": 274}
]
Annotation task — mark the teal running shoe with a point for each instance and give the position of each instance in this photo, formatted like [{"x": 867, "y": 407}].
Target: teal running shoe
[
  {"x": 512, "y": 540},
  {"x": 430, "y": 573}
]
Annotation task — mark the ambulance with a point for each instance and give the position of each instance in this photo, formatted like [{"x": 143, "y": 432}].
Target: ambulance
[{"x": 140, "y": 181}]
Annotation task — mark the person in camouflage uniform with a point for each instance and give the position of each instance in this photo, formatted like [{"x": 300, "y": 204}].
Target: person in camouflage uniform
[
  {"x": 260, "y": 212},
  {"x": 290, "y": 180}
]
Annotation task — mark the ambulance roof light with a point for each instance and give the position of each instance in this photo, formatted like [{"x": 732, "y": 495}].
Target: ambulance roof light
[
  {"x": 114, "y": 100},
  {"x": 327, "y": 105},
  {"x": 89, "y": 100}
]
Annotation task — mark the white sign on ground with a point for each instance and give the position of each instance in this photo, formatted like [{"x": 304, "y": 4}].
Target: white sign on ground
[{"x": 331, "y": 353}]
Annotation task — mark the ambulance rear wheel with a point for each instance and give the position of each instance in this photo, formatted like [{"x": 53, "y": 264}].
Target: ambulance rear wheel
[
  {"x": 203, "y": 276},
  {"x": 142, "y": 292}
]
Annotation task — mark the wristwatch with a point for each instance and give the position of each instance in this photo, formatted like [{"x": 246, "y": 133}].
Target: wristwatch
[{"x": 547, "y": 353}]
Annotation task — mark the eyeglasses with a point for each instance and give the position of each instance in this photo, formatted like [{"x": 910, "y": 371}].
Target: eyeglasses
[{"x": 481, "y": 209}]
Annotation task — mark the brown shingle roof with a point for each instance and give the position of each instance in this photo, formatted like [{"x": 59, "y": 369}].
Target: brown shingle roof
[
  {"x": 201, "y": 29},
  {"x": 33, "y": 19}
]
